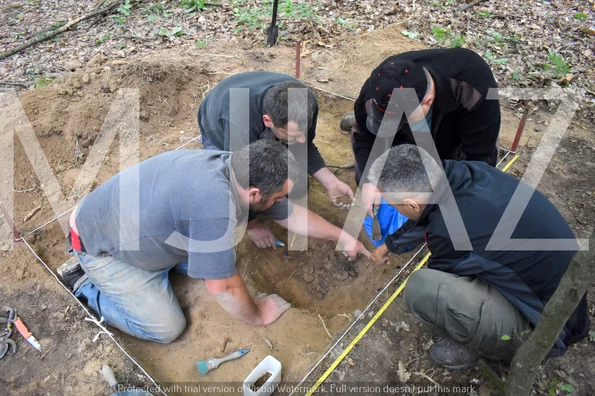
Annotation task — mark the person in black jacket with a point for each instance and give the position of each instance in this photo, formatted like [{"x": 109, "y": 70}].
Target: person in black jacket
[
  {"x": 451, "y": 86},
  {"x": 481, "y": 299},
  {"x": 251, "y": 106}
]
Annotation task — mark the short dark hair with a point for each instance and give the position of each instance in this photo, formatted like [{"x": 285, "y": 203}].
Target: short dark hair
[
  {"x": 276, "y": 106},
  {"x": 405, "y": 168},
  {"x": 264, "y": 164}
]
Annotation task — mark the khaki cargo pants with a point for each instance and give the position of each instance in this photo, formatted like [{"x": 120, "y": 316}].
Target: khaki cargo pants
[{"x": 468, "y": 311}]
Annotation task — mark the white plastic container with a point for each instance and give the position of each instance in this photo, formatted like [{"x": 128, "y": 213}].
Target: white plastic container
[{"x": 268, "y": 365}]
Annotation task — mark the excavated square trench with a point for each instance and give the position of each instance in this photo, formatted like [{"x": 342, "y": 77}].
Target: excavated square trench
[{"x": 319, "y": 282}]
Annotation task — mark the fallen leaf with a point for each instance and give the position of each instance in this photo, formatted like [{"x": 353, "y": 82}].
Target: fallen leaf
[
  {"x": 567, "y": 78},
  {"x": 404, "y": 375},
  {"x": 411, "y": 35},
  {"x": 428, "y": 344}
]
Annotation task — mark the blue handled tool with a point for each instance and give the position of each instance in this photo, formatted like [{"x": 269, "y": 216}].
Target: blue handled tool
[
  {"x": 204, "y": 366},
  {"x": 279, "y": 243}
]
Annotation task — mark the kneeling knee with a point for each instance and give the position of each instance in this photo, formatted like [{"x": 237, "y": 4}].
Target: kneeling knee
[{"x": 172, "y": 331}]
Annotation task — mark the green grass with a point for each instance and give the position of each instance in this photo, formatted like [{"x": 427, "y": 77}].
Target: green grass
[
  {"x": 154, "y": 10},
  {"x": 440, "y": 34},
  {"x": 251, "y": 18},
  {"x": 125, "y": 8},
  {"x": 43, "y": 81},
  {"x": 556, "y": 386},
  {"x": 457, "y": 40},
  {"x": 259, "y": 16},
  {"x": 124, "y": 11},
  {"x": 177, "y": 31},
  {"x": 557, "y": 64},
  {"x": 443, "y": 36},
  {"x": 195, "y": 5},
  {"x": 103, "y": 39}
]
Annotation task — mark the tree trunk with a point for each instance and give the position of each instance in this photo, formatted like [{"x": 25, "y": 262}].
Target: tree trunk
[{"x": 573, "y": 286}]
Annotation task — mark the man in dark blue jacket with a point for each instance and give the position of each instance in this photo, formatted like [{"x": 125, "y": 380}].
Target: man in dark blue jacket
[{"x": 482, "y": 301}]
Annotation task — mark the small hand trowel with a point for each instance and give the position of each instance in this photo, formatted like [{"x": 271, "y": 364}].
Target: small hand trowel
[{"x": 376, "y": 231}]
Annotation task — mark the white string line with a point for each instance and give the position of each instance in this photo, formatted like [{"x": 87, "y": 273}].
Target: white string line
[
  {"x": 357, "y": 319},
  {"x": 196, "y": 138},
  {"x": 331, "y": 93},
  {"x": 99, "y": 324},
  {"x": 91, "y": 317},
  {"x": 51, "y": 220},
  {"x": 503, "y": 158}
]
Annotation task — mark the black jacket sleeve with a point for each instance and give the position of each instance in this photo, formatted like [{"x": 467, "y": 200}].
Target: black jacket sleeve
[
  {"x": 362, "y": 140},
  {"x": 410, "y": 233},
  {"x": 479, "y": 132}
]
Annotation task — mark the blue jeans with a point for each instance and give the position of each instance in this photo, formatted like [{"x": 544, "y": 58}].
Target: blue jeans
[
  {"x": 136, "y": 301},
  {"x": 206, "y": 143}
]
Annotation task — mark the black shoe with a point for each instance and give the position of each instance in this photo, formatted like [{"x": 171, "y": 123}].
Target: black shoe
[
  {"x": 71, "y": 272},
  {"x": 347, "y": 122},
  {"x": 450, "y": 355}
]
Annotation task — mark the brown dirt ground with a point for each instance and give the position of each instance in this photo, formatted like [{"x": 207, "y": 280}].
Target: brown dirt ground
[{"x": 70, "y": 113}]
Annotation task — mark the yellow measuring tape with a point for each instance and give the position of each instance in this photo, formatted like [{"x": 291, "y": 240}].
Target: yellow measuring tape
[
  {"x": 392, "y": 298},
  {"x": 510, "y": 163}
]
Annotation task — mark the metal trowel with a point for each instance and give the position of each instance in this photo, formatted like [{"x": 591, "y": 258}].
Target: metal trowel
[{"x": 376, "y": 231}]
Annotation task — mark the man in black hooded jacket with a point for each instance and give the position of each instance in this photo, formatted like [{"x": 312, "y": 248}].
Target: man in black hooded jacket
[{"x": 451, "y": 86}]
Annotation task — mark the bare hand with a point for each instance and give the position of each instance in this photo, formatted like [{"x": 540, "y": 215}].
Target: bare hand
[
  {"x": 271, "y": 307},
  {"x": 380, "y": 255},
  {"x": 370, "y": 195},
  {"x": 262, "y": 236},
  {"x": 339, "y": 193},
  {"x": 353, "y": 247}
]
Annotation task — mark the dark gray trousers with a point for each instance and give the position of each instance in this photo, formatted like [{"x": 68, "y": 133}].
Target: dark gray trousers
[{"x": 468, "y": 311}]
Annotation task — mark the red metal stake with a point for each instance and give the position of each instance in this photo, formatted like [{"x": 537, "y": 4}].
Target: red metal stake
[
  {"x": 15, "y": 232},
  {"x": 298, "y": 56},
  {"x": 519, "y": 132}
]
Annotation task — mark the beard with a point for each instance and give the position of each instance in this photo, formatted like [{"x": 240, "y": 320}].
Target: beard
[{"x": 260, "y": 206}]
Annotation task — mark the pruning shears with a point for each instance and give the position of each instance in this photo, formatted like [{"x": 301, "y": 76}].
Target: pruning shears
[{"x": 5, "y": 341}]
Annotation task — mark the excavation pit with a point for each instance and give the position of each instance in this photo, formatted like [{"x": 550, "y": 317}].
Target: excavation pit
[{"x": 323, "y": 286}]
